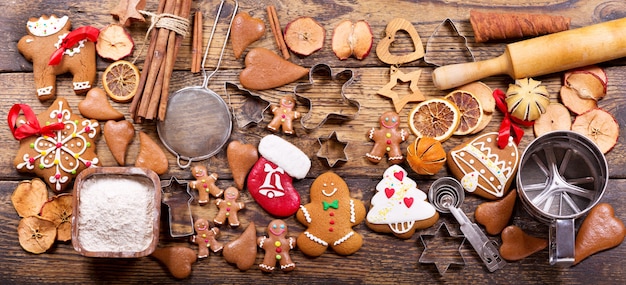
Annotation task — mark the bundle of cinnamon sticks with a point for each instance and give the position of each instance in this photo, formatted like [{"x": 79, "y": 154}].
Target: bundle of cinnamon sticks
[{"x": 150, "y": 102}]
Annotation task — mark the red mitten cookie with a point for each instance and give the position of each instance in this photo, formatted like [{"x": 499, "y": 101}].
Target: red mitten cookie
[
  {"x": 270, "y": 179},
  {"x": 482, "y": 167},
  {"x": 329, "y": 218},
  {"x": 59, "y": 154}
]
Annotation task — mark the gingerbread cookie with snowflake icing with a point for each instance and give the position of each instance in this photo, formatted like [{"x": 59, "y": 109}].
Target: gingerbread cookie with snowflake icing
[
  {"x": 58, "y": 157},
  {"x": 482, "y": 167}
]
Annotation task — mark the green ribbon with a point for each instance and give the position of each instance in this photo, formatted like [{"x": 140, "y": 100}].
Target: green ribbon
[{"x": 333, "y": 204}]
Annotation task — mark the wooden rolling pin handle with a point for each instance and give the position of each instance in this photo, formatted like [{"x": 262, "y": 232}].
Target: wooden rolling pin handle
[{"x": 450, "y": 76}]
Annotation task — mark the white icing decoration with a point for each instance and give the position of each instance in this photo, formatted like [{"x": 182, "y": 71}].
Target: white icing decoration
[
  {"x": 45, "y": 27},
  {"x": 262, "y": 241},
  {"x": 393, "y": 210},
  {"x": 73, "y": 50},
  {"x": 315, "y": 239},
  {"x": 331, "y": 193},
  {"x": 283, "y": 267},
  {"x": 352, "y": 213},
  {"x": 266, "y": 267},
  {"x": 470, "y": 181},
  {"x": 344, "y": 238},
  {"x": 82, "y": 85},
  {"x": 291, "y": 245},
  {"x": 44, "y": 91},
  {"x": 306, "y": 214}
]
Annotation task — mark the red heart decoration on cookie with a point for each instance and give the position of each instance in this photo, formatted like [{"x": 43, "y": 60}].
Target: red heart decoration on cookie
[
  {"x": 245, "y": 30},
  {"x": 599, "y": 231},
  {"x": 399, "y": 175},
  {"x": 516, "y": 244},
  {"x": 408, "y": 201},
  {"x": 267, "y": 70},
  {"x": 241, "y": 157},
  {"x": 389, "y": 192}
]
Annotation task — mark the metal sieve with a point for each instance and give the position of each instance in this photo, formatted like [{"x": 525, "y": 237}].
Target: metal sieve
[{"x": 562, "y": 175}]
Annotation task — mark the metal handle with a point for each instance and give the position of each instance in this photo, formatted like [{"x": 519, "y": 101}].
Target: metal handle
[{"x": 562, "y": 241}]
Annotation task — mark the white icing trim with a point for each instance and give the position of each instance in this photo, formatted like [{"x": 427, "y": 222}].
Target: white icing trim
[
  {"x": 262, "y": 241},
  {"x": 315, "y": 239},
  {"x": 352, "y": 213},
  {"x": 283, "y": 267},
  {"x": 306, "y": 214},
  {"x": 373, "y": 156},
  {"x": 44, "y": 91},
  {"x": 286, "y": 155},
  {"x": 403, "y": 135},
  {"x": 371, "y": 136},
  {"x": 45, "y": 27},
  {"x": 82, "y": 85},
  {"x": 331, "y": 193},
  {"x": 400, "y": 228},
  {"x": 266, "y": 267},
  {"x": 343, "y": 239},
  {"x": 291, "y": 245}
]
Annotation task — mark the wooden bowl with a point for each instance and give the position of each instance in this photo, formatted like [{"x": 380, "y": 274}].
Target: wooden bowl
[{"x": 116, "y": 212}]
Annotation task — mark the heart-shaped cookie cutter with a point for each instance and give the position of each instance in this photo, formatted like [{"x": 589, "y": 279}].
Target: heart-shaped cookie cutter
[{"x": 341, "y": 114}]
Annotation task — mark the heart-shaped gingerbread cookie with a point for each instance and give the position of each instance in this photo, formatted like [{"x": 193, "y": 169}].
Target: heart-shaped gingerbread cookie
[
  {"x": 150, "y": 155},
  {"x": 516, "y": 244},
  {"x": 266, "y": 70},
  {"x": 242, "y": 251},
  {"x": 495, "y": 215},
  {"x": 244, "y": 31},
  {"x": 177, "y": 259},
  {"x": 382, "y": 49},
  {"x": 96, "y": 106},
  {"x": 241, "y": 157},
  {"x": 118, "y": 135},
  {"x": 601, "y": 230}
]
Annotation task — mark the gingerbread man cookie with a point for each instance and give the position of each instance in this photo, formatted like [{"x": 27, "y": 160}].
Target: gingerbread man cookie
[
  {"x": 330, "y": 216},
  {"x": 229, "y": 207},
  {"x": 205, "y": 184},
  {"x": 205, "y": 238},
  {"x": 277, "y": 246},
  {"x": 284, "y": 115},
  {"x": 387, "y": 139}
]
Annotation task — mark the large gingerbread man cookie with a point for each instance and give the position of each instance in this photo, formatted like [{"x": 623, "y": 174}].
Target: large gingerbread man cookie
[
  {"x": 329, "y": 218},
  {"x": 387, "y": 139},
  {"x": 57, "y": 155},
  {"x": 48, "y": 36},
  {"x": 277, "y": 246}
]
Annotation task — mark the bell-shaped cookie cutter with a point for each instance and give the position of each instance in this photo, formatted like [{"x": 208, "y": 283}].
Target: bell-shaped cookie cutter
[
  {"x": 324, "y": 69},
  {"x": 428, "y": 56}
]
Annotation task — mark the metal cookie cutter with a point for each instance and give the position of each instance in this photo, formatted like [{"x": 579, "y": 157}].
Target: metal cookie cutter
[
  {"x": 441, "y": 56},
  {"x": 247, "y": 108},
  {"x": 332, "y": 149},
  {"x": 446, "y": 194},
  {"x": 562, "y": 175},
  {"x": 176, "y": 196},
  {"x": 322, "y": 78},
  {"x": 437, "y": 248}
]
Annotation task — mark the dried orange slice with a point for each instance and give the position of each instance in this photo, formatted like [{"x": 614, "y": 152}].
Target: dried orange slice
[
  {"x": 121, "y": 81},
  {"x": 36, "y": 234},
  {"x": 437, "y": 118},
  {"x": 29, "y": 196},
  {"x": 599, "y": 126},
  {"x": 470, "y": 108},
  {"x": 59, "y": 211}
]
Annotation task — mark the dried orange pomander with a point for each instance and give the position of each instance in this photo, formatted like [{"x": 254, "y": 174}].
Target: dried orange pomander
[{"x": 426, "y": 156}]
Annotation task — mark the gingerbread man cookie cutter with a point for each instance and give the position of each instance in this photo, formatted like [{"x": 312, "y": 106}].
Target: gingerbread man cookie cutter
[
  {"x": 444, "y": 53},
  {"x": 315, "y": 118},
  {"x": 247, "y": 108}
]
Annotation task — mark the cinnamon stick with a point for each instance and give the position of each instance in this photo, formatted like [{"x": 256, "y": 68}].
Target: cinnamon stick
[
  {"x": 277, "y": 31},
  {"x": 490, "y": 26},
  {"x": 200, "y": 43},
  {"x": 194, "y": 43}
]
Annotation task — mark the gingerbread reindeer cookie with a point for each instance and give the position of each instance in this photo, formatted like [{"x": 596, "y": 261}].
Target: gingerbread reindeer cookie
[
  {"x": 277, "y": 245},
  {"x": 329, "y": 218},
  {"x": 205, "y": 184},
  {"x": 387, "y": 139},
  {"x": 229, "y": 206},
  {"x": 205, "y": 238},
  {"x": 284, "y": 114}
]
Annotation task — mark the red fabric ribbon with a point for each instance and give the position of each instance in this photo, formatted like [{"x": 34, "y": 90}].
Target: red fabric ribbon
[
  {"x": 507, "y": 127},
  {"x": 75, "y": 36},
  {"x": 31, "y": 127}
]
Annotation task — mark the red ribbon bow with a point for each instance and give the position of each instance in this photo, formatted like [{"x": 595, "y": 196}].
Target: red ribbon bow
[
  {"x": 75, "y": 36},
  {"x": 507, "y": 127},
  {"x": 31, "y": 127}
]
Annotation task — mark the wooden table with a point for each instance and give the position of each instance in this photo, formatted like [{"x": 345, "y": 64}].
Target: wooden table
[{"x": 383, "y": 258}]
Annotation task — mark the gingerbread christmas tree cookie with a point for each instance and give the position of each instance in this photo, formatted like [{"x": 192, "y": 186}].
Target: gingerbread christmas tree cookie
[{"x": 55, "y": 145}]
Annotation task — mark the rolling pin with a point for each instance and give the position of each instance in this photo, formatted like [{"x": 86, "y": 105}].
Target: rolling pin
[{"x": 542, "y": 55}]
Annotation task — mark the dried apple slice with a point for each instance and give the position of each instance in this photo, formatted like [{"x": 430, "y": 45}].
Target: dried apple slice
[
  {"x": 114, "y": 42},
  {"x": 594, "y": 69},
  {"x": 556, "y": 117},
  {"x": 29, "y": 196},
  {"x": 36, "y": 234},
  {"x": 574, "y": 103},
  {"x": 599, "y": 126},
  {"x": 587, "y": 85},
  {"x": 304, "y": 36},
  {"x": 59, "y": 211},
  {"x": 352, "y": 39}
]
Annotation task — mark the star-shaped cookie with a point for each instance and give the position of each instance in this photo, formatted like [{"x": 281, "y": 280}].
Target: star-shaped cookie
[
  {"x": 442, "y": 248},
  {"x": 127, "y": 10},
  {"x": 396, "y": 74}
]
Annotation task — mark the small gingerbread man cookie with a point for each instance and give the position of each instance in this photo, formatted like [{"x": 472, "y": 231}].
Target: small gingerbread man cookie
[
  {"x": 387, "y": 139},
  {"x": 330, "y": 216},
  {"x": 229, "y": 207},
  {"x": 277, "y": 246},
  {"x": 205, "y": 184},
  {"x": 205, "y": 238},
  {"x": 284, "y": 115}
]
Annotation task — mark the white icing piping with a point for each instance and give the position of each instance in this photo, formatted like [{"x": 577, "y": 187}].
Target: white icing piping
[
  {"x": 82, "y": 85},
  {"x": 262, "y": 241},
  {"x": 315, "y": 239},
  {"x": 283, "y": 267},
  {"x": 44, "y": 91},
  {"x": 331, "y": 193},
  {"x": 266, "y": 267},
  {"x": 307, "y": 216},
  {"x": 401, "y": 228},
  {"x": 344, "y": 238},
  {"x": 352, "y": 213},
  {"x": 291, "y": 245}
]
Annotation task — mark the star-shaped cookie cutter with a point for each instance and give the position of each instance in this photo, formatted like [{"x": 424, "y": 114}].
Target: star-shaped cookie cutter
[
  {"x": 438, "y": 249},
  {"x": 247, "y": 108},
  {"x": 347, "y": 75},
  {"x": 177, "y": 197},
  {"x": 444, "y": 53},
  {"x": 332, "y": 149},
  {"x": 396, "y": 74}
]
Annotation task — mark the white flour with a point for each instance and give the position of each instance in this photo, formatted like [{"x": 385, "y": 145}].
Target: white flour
[{"x": 115, "y": 214}]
